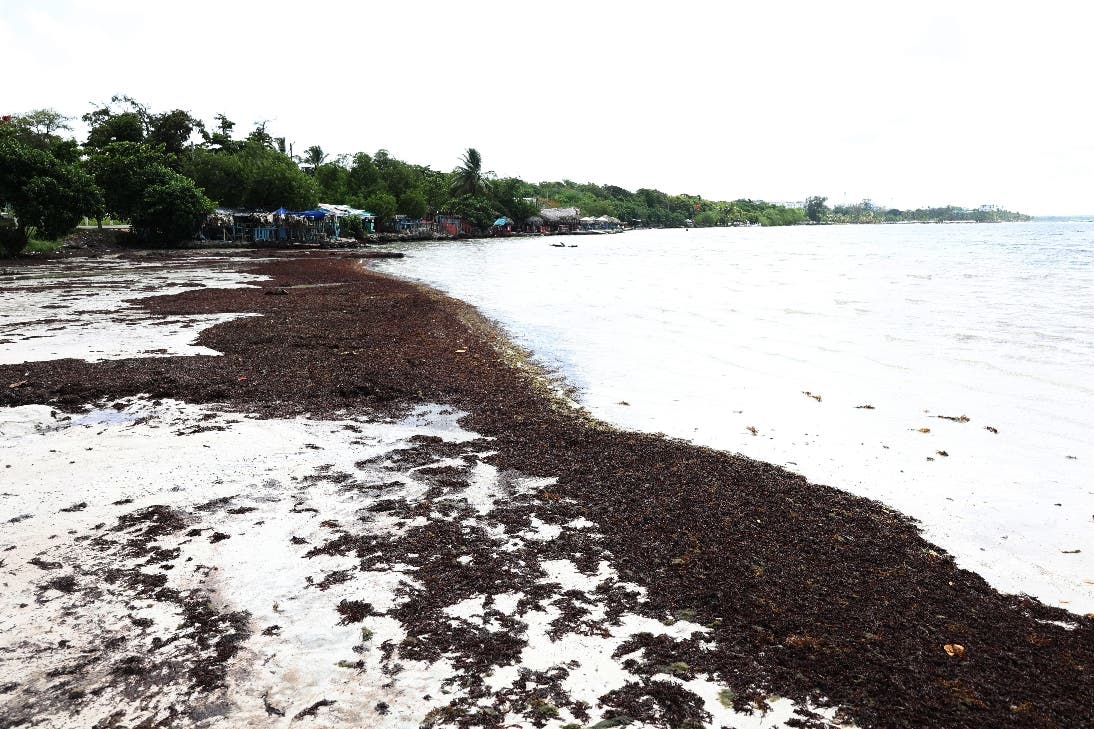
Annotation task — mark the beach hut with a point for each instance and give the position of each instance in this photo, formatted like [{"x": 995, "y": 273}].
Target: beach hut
[
  {"x": 450, "y": 224},
  {"x": 405, "y": 224},
  {"x": 607, "y": 222},
  {"x": 502, "y": 226},
  {"x": 534, "y": 224},
  {"x": 561, "y": 220},
  {"x": 343, "y": 212}
]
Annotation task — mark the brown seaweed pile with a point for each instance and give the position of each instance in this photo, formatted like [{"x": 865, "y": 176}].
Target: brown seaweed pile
[{"x": 809, "y": 592}]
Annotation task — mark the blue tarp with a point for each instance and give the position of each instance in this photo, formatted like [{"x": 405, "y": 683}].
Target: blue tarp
[
  {"x": 501, "y": 222},
  {"x": 282, "y": 211},
  {"x": 313, "y": 214}
]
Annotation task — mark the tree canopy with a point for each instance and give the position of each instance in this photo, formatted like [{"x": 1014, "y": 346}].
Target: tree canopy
[
  {"x": 43, "y": 181},
  {"x": 467, "y": 178},
  {"x": 139, "y": 186},
  {"x": 163, "y": 171}
]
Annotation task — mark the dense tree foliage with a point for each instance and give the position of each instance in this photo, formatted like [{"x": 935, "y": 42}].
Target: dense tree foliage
[
  {"x": 38, "y": 128},
  {"x": 313, "y": 157},
  {"x": 42, "y": 180},
  {"x": 139, "y": 185},
  {"x": 164, "y": 171},
  {"x": 867, "y": 212},
  {"x": 815, "y": 208}
]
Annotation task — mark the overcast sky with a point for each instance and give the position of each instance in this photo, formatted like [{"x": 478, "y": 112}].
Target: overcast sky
[{"x": 908, "y": 104}]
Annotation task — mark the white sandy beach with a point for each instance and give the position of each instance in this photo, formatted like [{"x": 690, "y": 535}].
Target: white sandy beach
[{"x": 252, "y": 497}]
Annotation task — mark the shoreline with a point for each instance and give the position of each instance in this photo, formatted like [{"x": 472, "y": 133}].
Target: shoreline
[
  {"x": 796, "y": 590},
  {"x": 722, "y": 344}
]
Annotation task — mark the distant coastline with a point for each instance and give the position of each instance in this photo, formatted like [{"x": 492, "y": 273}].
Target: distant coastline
[
  {"x": 173, "y": 178},
  {"x": 1088, "y": 218}
]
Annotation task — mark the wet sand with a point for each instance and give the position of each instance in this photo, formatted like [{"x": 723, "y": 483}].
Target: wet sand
[{"x": 527, "y": 565}]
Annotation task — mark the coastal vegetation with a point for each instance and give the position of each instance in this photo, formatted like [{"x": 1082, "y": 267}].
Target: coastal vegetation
[
  {"x": 43, "y": 180},
  {"x": 866, "y": 212},
  {"x": 164, "y": 172}
]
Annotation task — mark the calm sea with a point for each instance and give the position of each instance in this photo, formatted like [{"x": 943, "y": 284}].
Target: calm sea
[{"x": 712, "y": 334}]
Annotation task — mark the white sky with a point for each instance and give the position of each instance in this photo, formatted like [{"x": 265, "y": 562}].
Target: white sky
[{"x": 909, "y": 103}]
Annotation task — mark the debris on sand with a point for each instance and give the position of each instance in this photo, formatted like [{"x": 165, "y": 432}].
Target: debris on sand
[{"x": 466, "y": 551}]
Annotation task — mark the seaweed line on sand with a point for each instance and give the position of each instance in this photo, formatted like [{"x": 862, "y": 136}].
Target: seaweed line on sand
[{"x": 799, "y": 590}]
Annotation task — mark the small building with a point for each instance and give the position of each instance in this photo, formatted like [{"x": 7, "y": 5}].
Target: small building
[
  {"x": 320, "y": 225},
  {"x": 449, "y": 224},
  {"x": 601, "y": 224},
  {"x": 502, "y": 226},
  {"x": 560, "y": 220},
  {"x": 534, "y": 224},
  {"x": 345, "y": 213},
  {"x": 404, "y": 224},
  {"x": 608, "y": 223}
]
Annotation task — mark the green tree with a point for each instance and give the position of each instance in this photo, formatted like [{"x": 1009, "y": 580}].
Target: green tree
[
  {"x": 706, "y": 219},
  {"x": 122, "y": 120},
  {"x": 173, "y": 208},
  {"x": 468, "y": 178},
  {"x": 218, "y": 172},
  {"x": 271, "y": 180},
  {"x": 138, "y": 185},
  {"x": 434, "y": 186},
  {"x": 398, "y": 177},
  {"x": 123, "y": 127},
  {"x": 313, "y": 157},
  {"x": 381, "y": 204},
  {"x": 124, "y": 170},
  {"x": 815, "y": 208},
  {"x": 331, "y": 180},
  {"x": 256, "y": 177},
  {"x": 261, "y": 137},
  {"x": 476, "y": 209},
  {"x": 363, "y": 175},
  {"x": 413, "y": 204},
  {"x": 172, "y": 130},
  {"x": 509, "y": 195},
  {"x": 39, "y": 128},
  {"x": 220, "y": 139},
  {"x": 44, "y": 191}
]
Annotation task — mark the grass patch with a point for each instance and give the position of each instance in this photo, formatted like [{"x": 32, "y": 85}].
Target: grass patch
[
  {"x": 37, "y": 245},
  {"x": 11, "y": 243}
]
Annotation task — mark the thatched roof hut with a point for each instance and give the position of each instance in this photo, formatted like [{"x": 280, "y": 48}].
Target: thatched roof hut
[{"x": 560, "y": 215}]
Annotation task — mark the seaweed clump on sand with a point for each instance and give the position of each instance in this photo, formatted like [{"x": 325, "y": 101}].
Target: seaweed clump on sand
[{"x": 808, "y": 592}]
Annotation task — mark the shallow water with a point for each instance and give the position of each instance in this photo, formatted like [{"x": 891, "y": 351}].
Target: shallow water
[{"x": 707, "y": 334}]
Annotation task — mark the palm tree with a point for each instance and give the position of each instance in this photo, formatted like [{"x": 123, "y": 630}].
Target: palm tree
[
  {"x": 314, "y": 156},
  {"x": 468, "y": 178}
]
